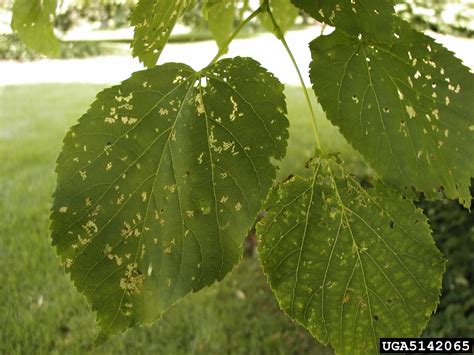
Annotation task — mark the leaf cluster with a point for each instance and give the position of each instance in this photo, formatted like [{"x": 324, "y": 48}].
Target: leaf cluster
[{"x": 159, "y": 182}]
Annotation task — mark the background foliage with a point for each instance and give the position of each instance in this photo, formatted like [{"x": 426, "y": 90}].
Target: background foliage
[
  {"x": 12, "y": 48},
  {"x": 428, "y": 14},
  {"x": 453, "y": 231}
]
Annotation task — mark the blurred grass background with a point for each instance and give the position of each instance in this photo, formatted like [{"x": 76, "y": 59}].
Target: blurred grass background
[{"x": 41, "y": 312}]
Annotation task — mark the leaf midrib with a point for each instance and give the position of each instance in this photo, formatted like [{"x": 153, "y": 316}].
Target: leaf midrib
[{"x": 142, "y": 233}]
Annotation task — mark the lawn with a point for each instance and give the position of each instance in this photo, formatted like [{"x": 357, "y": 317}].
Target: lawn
[{"x": 40, "y": 310}]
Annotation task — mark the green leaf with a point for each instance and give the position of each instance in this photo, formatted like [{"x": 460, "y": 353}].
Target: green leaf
[
  {"x": 406, "y": 105},
  {"x": 284, "y": 13},
  {"x": 154, "y": 20},
  {"x": 220, "y": 17},
  {"x": 371, "y": 18},
  {"x": 351, "y": 265},
  {"x": 160, "y": 182},
  {"x": 33, "y": 21}
]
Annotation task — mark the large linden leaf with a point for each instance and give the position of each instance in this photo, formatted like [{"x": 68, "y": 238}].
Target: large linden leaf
[
  {"x": 349, "y": 264},
  {"x": 33, "y": 21},
  {"x": 160, "y": 181},
  {"x": 154, "y": 20},
  {"x": 365, "y": 17},
  {"x": 406, "y": 106}
]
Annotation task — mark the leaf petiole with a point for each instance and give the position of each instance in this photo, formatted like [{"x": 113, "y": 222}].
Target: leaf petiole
[
  {"x": 225, "y": 47},
  {"x": 281, "y": 37}
]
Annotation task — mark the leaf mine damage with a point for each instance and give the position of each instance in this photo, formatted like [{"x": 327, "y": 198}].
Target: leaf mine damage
[
  {"x": 349, "y": 264},
  {"x": 160, "y": 181}
]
